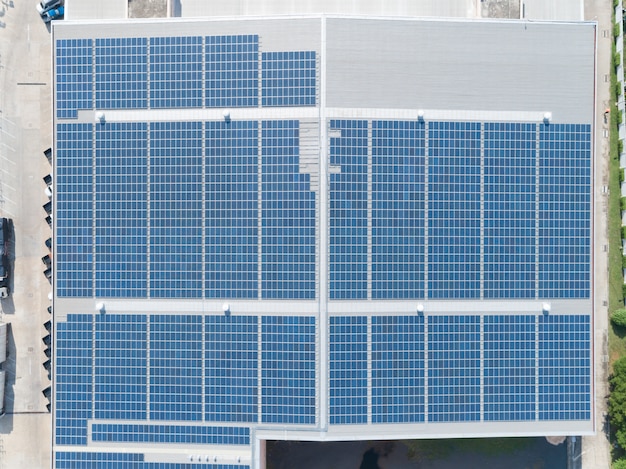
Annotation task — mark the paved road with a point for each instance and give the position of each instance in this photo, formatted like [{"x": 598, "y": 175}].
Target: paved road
[
  {"x": 596, "y": 450},
  {"x": 25, "y": 130}
]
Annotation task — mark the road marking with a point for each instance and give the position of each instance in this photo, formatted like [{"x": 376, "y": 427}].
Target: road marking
[{"x": 7, "y": 146}]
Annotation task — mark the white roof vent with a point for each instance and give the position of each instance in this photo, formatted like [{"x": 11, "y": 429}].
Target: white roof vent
[
  {"x": 100, "y": 117},
  {"x": 420, "y": 115},
  {"x": 226, "y": 115},
  {"x": 547, "y": 117}
]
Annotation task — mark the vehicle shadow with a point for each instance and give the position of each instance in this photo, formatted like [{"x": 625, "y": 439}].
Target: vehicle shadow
[{"x": 6, "y": 422}]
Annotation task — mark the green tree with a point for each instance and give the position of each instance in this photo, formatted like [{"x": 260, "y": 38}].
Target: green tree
[
  {"x": 619, "y": 316},
  {"x": 617, "y": 401},
  {"x": 620, "y": 464}
]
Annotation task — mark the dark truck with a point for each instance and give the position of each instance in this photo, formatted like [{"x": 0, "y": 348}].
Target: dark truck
[{"x": 5, "y": 265}]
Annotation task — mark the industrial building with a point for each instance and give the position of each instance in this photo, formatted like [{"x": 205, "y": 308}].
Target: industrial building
[{"x": 318, "y": 227}]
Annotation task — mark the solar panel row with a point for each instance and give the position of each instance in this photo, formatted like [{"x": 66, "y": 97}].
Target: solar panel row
[
  {"x": 179, "y": 72},
  {"x": 419, "y": 230},
  {"x": 426, "y": 236},
  {"x": 515, "y": 385},
  {"x": 178, "y": 434},
  {"x": 73, "y": 460},
  {"x": 155, "y": 365}
]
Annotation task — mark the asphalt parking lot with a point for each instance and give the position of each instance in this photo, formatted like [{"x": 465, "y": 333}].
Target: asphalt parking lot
[{"x": 25, "y": 131}]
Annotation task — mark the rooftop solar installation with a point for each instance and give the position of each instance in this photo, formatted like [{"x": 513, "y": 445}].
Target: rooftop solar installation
[{"x": 267, "y": 266}]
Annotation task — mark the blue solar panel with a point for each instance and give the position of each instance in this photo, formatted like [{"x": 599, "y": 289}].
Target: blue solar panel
[
  {"x": 120, "y": 367},
  {"x": 288, "y": 369},
  {"x": 397, "y": 369},
  {"x": 121, "y": 207},
  {"x": 509, "y": 227},
  {"x": 74, "y": 460},
  {"x": 121, "y": 73},
  {"x": 73, "y": 379},
  {"x": 288, "y": 78},
  {"x": 175, "y": 72},
  {"x": 232, "y": 209},
  {"x": 348, "y": 369},
  {"x": 398, "y": 209},
  {"x": 348, "y": 210},
  {"x": 74, "y": 210},
  {"x": 454, "y": 210},
  {"x": 509, "y": 368},
  {"x": 288, "y": 215},
  {"x": 564, "y": 367},
  {"x": 564, "y": 211},
  {"x": 159, "y": 433},
  {"x": 232, "y": 71},
  {"x": 74, "y": 76},
  {"x": 176, "y": 210},
  {"x": 231, "y": 364},
  {"x": 453, "y": 368},
  {"x": 175, "y": 367}
]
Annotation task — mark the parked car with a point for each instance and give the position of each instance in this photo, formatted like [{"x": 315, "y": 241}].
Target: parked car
[
  {"x": 45, "y": 5},
  {"x": 5, "y": 268},
  {"x": 5, "y": 235},
  {"x": 54, "y": 14},
  {"x": 5, "y": 291}
]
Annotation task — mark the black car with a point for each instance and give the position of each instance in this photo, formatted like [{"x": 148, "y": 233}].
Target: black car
[{"x": 5, "y": 234}]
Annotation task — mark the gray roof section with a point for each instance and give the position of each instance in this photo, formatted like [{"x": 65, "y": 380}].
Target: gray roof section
[
  {"x": 410, "y": 63},
  {"x": 430, "y": 64}
]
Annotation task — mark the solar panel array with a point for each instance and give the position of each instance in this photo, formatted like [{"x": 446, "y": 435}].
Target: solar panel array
[
  {"x": 231, "y": 368},
  {"x": 398, "y": 215},
  {"x": 454, "y": 210},
  {"x": 509, "y": 367},
  {"x": 171, "y": 433},
  {"x": 288, "y": 369},
  {"x": 72, "y": 460},
  {"x": 74, "y": 210},
  {"x": 398, "y": 369},
  {"x": 415, "y": 368},
  {"x": 348, "y": 210},
  {"x": 180, "y": 72},
  {"x": 564, "y": 210},
  {"x": 121, "y": 73},
  {"x": 564, "y": 367},
  {"x": 288, "y": 78},
  {"x": 453, "y": 368},
  {"x": 408, "y": 199},
  {"x": 509, "y": 235},
  {"x": 435, "y": 187},
  {"x": 224, "y": 210},
  {"x": 287, "y": 214},
  {"x": 348, "y": 369},
  {"x": 74, "y": 76},
  {"x": 120, "y": 367},
  {"x": 175, "y": 367},
  {"x": 175, "y": 72},
  {"x": 73, "y": 379},
  {"x": 232, "y": 216},
  {"x": 121, "y": 205},
  {"x": 176, "y": 210}
]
